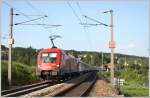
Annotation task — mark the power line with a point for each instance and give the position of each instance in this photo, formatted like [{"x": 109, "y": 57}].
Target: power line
[
  {"x": 15, "y": 9},
  {"x": 95, "y": 20},
  {"x": 82, "y": 13},
  {"x": 74, "y": 11},
  {"x": 86, "y": 33},
  {"x": 34, "y": 8},
  {"x": 30, "y": 20},
  {"x": 79, "y": 8},
  {"x": 37, "y": 10},
  {"x": 84, "y": 27},
  {"x": 32, "y": 15},
  {"x": 21, "y": 13},
  {"x": 44, "y": 26}
]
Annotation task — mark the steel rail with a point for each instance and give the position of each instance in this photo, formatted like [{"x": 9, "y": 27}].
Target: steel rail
[
  {"x": 25, "y": 89},
  {"x": 85, "y": 92},
  {"x": 92, "y": 81}
]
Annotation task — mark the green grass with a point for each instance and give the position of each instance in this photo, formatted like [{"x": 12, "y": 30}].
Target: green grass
[
  {"x": 20, "y": 72},
  {"x": 134, "y": 89},
  {"x": 132, "y": 85}
]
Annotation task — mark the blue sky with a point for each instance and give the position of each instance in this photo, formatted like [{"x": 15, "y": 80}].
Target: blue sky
[{"x": 130, "y": 25}]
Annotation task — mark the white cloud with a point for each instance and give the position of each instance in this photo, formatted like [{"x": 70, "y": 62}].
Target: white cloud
[{"x": 130, "y": 45}]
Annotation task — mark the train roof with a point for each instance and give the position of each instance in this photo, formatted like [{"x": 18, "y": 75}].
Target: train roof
[
  {"x": 51, "y": 49},
  {"x": 57, "y": 50}
]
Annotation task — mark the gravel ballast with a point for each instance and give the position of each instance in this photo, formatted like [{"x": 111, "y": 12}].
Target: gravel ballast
[{"x": 101, "y": 88}]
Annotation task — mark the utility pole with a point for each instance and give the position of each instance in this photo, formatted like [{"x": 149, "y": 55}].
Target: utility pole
[
  {"x": 111, "y": 45},
  {"x": 102, "y": 66},
  {"x": 102, "y": 62},
  {"x": 10, "y": 42},
  {"x": 112, "y": 48},
  {"x": 91, "y": 59}
]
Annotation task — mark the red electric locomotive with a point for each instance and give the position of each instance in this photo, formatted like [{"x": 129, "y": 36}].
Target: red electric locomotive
[{"x": 54, "y": 62}]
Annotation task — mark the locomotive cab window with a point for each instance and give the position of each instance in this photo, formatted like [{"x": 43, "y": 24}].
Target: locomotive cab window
[{"x": 49, "y": 57}]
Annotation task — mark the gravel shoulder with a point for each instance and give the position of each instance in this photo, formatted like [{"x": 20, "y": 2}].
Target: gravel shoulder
[{"x": 103, "y": 89}]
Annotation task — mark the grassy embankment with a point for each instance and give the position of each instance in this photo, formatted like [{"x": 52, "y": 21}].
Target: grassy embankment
[
  {"x": 20, "y": 73},
  {"x": 134, "y": 89},
  {"x": 133, "y": 83}
]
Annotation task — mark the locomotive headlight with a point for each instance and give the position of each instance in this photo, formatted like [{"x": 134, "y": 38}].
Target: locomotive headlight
[
  {"x": 39, "y": 65},
  {"x": 58, "y": 65}
]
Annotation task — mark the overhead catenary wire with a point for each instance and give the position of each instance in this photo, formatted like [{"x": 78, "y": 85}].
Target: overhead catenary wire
[
  {"x": 82, "y": 14},
  {"x": 33, "y": 15},
  {"x": 41, "y": 24},
  {"x": 81, "y": 11},
  {"x": 74, "y": 11},
  {"x": 38, "y": 11},
  {"x": 15, "y": 9},
  {"x": 27, "y": 16},
  {"x": 30, "y": 20},
  {"x": 20, "y": 12},
  {"x": 78, "y": 18},
  {"x": 100, "y": 23},
  {"x": 84, "y": 27},
  {"x": 43, "y": 21},
  {"x": 44, "y": 26},
  {"x": 35, "y": 9}
]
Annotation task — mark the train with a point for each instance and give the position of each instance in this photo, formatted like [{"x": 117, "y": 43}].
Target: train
[{"x": 55, "y": 63}]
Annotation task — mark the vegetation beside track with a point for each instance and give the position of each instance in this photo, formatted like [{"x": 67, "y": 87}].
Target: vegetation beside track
[
  {"x": 21, "y": 73},
  {"x": 133, "y": 86},
  {"x": 134, "y": 89}
]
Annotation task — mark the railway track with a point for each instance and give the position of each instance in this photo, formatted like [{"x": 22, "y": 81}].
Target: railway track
[
  {"x": 80, "y": 90},
  {"x": 82, "y": 83},
  {"x": 26, "y": 89}
]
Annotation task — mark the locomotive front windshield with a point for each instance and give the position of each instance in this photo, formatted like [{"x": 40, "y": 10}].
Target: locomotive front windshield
[{"x": 49, "y": 57}]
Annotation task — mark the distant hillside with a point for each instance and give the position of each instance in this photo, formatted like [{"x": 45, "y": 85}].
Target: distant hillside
[
  {"x": 95, "y": 58},
  {"x": 29, "y": 55}
]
